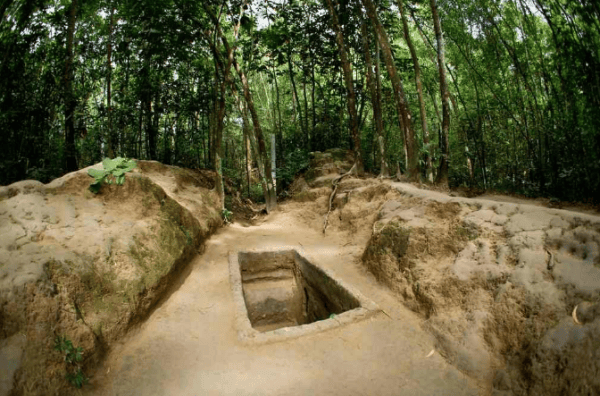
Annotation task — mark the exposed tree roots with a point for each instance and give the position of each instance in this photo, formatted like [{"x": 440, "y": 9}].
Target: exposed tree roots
[{"x": 334, "y": 184}]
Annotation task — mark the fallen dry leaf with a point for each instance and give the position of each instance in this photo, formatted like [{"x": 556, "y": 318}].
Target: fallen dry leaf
[{"x": 574, "y": 315}]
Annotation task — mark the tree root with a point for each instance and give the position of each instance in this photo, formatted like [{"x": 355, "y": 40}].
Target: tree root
[{"x": 335, "y": 183}]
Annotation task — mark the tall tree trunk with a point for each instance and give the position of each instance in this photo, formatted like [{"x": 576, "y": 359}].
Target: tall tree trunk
[
  {"x": 218, "y": 113},
  {"x": 247, "y": 147},
  {"x": 212, "y": 123},
  {"x": 138, "y": 141},
  {"x": 379, "y": 94},
  {"x": 376, "y": 101},
  {"x": 423, "y": 113},
  {"x": 434, "y": 58},
  {"x": 109, "y": 133},
  {"x": 442, "y": 176},
  {"x": 251, "y": 146},
  {"x": 194, "y": 130},
  {"x": 221, "y": 80},
  {"x": 70, "y": 101},
  {"x": 404, "y": 116},
  {"x": 167, "y": 137},
  {"x": 152, "y": 126},
  {"x": 314, "y": 111},
  {"x": 279, "y": 122},
  {"x": 280, "y": 141},
  {"x": 295, "y": 101},
  {"x": 351, "y": 96},
  {"x": 127, "y": 119},
  {"x": 270, "y": 195},
  {"x": 218, "y": 116},
  {"x": 250, "y": 143},
  {"x": 306, "y": 128},
  {"x": 146, "y": 99}
]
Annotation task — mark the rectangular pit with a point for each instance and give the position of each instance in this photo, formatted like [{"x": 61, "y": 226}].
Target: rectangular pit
[{"x": 282, "y": 293}]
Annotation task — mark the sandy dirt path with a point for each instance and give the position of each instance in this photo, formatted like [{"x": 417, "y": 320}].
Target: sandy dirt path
[{"x": 189, "y": 346}]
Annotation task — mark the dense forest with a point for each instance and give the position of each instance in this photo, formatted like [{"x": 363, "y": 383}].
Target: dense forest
[{"x": 490, "y": 94}]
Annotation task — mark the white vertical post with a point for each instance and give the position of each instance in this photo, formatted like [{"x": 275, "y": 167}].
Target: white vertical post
[{"x": 273, "y": 162}]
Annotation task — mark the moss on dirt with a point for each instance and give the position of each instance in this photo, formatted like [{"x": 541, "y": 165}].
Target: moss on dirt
[
  {"x": 518, "y": 320},
  {"x": 188, "y": 177},
  {"x": 466, "y": 232},
  {"x": 391, "y": 239},
  {"x": 101, "y": 284},
  {"x": 331, "y": 161},
  {"x": 385, "y": 255}
]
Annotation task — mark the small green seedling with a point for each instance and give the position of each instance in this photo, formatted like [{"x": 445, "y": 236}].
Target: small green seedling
[
  {"x": 226, "y": 215},
  {"x": 73, "y": 357},
  {"x": 113, "y": 172}
]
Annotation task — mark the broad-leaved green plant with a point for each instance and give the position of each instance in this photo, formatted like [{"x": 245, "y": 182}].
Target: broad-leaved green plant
[
  {"x": 113, "y": 172},
  {"x": 73, "y": 357}
]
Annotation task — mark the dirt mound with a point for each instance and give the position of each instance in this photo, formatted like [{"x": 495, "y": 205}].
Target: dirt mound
[
  {"x": 323, "y": 168},
  {"x": 497, "y": 282},
  {"x": 88, "y": 267},
  {"x": 356, "y": 202}
]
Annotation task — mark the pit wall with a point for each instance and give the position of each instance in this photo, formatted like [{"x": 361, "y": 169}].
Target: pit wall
[
  {"x": 89, "y": 267},
  {"x": 283, "y": 289},
  {"x": 290, "y": 258},
  {"x": 273, "y": 290},
  {"x": 320, "y": 283}
]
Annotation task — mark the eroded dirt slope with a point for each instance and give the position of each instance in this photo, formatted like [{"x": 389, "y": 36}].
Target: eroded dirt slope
[
  {"x": 89, "y": 266},
  {"x": 497, "y": 283}
]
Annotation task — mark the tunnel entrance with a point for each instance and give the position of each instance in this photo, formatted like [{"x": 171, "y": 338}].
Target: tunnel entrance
[
  {"x": 283, "y": 289},
  {"x": 282, "y": 293}
]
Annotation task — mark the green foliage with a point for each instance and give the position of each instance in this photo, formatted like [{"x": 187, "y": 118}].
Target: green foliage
[
  {"x": 227, "y": 215},
  {"x": 228, "y": 202},
  {"x": 391, "y": 239},
  {"x": 522, "y": 75},
  {"x": 295, "y": 162},
  {"x": 188, "y": 237},
  {"x": 77, "y": 378},
  {"x": 113, "y": 172},
  {"x": 466, "y": 232},
  {"x": 73, "y": 357},
  {"x": 256, "y": 193}
]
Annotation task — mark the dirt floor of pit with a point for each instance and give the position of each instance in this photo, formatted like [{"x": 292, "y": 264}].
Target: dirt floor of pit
[{"x": 189, "y": 345}]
